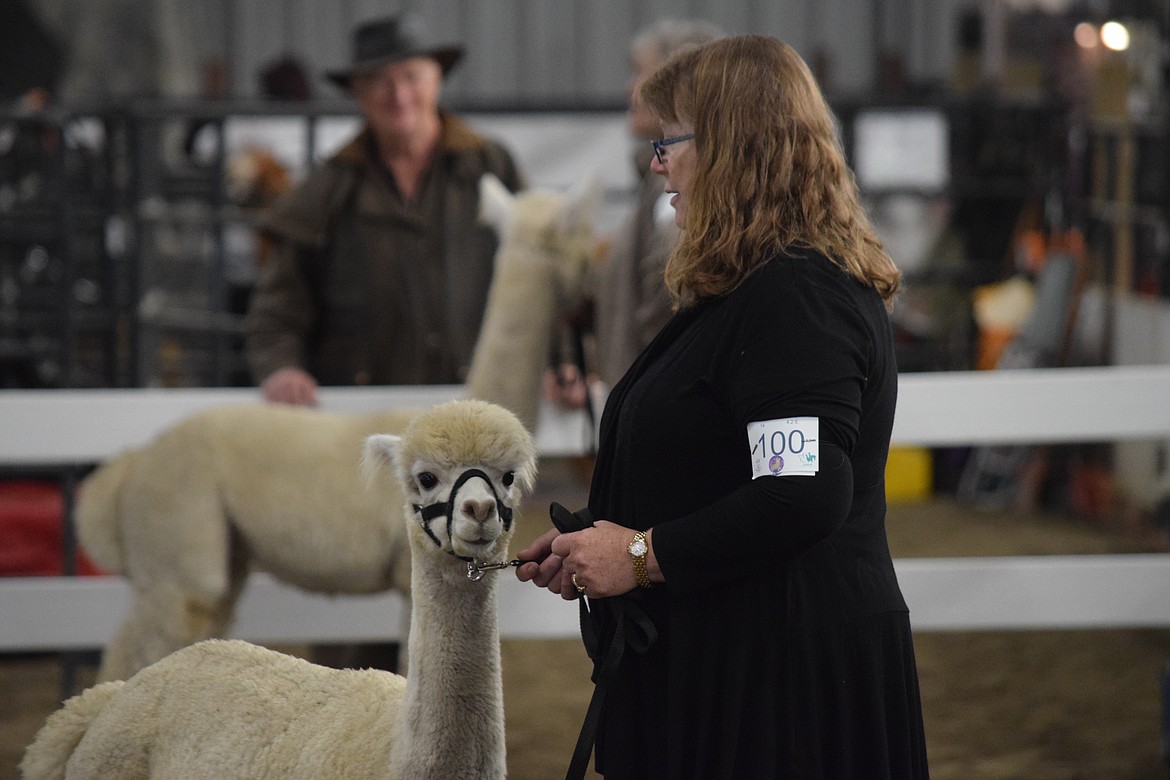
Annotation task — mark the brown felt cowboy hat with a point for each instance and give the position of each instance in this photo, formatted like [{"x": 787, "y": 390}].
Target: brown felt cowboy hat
[{"x": 380, "y": 42}]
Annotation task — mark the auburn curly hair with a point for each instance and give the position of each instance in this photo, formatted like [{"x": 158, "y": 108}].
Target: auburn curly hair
[{"x": 770, "y": 174}]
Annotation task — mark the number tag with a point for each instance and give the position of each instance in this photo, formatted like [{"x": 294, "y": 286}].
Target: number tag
[{"x": 787, "y": 447}]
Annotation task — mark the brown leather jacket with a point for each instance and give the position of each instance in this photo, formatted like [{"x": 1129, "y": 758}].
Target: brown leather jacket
[{"x": 362, "y": 288}]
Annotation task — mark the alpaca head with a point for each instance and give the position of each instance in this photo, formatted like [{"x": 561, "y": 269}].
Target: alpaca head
[
  {"x": 558, "y": 226},
  {"x": 463, "y": 467}
]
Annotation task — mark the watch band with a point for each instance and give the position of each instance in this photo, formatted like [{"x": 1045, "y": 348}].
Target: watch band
[{"x": 638, "y": 549}]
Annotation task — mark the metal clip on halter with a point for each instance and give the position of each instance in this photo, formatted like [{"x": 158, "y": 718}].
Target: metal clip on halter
[{"x": 476, "y": 569}]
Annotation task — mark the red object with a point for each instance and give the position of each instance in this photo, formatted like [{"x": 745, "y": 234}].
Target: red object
[{"x": 32, "y": 521}]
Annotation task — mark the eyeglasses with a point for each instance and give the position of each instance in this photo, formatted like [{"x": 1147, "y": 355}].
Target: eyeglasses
[{"x": 662, "y": 143}]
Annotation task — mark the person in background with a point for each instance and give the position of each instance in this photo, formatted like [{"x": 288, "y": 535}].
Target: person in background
[
  {"x": 32, "y": 59},
  {"x": 630, "y": 303},
  {"x": 379, "y": 271},
  {"x": 376, "y": 269},
  {"x": 738, "y": 559}
]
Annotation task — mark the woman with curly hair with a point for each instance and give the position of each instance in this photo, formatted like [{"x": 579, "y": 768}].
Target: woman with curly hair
[{"x": 739, "y": 558}]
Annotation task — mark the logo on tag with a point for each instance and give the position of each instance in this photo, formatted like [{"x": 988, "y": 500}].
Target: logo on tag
[{"x": 776, "y": 464}]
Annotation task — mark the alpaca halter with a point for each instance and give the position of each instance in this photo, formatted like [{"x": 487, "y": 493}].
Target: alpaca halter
[{"x": 475, "y": 567}]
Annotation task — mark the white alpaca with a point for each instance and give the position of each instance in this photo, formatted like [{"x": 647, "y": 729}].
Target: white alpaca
[
  {"x": 229, "y": 709},
  {"x": 274, "y": 487},
  {"x": 532, "y": 227}
]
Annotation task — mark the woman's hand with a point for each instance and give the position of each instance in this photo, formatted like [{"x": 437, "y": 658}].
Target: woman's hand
[
  {"x": 596, "y": 559},
  {"x": 599, "y": 558},
  {"x": 543, "y": 568}
]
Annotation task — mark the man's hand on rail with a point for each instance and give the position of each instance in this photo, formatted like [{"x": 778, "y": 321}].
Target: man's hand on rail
[{"x": 290, "y": 386}]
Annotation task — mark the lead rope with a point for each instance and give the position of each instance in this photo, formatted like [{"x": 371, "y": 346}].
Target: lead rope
[{"x": 639, "y": 634}]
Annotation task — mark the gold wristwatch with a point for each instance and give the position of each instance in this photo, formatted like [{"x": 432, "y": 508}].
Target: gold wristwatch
[{"x": 638, "y": 549}]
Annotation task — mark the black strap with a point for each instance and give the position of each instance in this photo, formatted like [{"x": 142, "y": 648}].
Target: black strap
[
  {"x": 632, "y": 627},
  {"x": 582, "y": 370},
  {"x": 447, "y": 508},
  {"x": 567, "y": 522}
]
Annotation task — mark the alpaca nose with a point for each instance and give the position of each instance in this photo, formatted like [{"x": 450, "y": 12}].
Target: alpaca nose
[{"x": 479, "y": 509}]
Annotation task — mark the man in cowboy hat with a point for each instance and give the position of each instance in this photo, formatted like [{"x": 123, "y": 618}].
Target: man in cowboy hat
[{"x": 380, "y": 271}]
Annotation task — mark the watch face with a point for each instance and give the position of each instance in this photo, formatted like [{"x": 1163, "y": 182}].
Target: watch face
[{"x": 638, "y": 548}]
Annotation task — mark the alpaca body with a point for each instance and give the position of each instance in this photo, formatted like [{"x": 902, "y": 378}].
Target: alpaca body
[
  {"x": 199, "y": 712},
  {"x": 185, "y": 518},
  {"x": 229, "y": 709},
  {"x": 254, "y": 473},
  {"x": 233, "y": 489}
]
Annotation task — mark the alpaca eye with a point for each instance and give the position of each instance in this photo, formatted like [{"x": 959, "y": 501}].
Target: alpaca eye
[
  {"x": 509, "y": 478},
  {"x": 427, "y": 480}
]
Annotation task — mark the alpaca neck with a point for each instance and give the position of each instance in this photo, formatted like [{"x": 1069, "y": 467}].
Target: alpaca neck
[
  {"x": 513, "y": 345},
  {"x": 453, "y": 720}
]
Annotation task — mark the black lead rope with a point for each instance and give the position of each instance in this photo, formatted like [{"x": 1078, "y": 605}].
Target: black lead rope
[{"x": 631, "y": 626}]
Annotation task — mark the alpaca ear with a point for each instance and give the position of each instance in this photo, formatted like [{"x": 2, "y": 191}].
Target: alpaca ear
[
  {"x": 495, "y": 203},
  {"x": 582, "y": 202},
  {"x": 527, "y": 477},
  {"x": 380, "y": 452}
]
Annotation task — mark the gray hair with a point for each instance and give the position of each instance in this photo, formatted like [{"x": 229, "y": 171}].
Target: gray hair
[{"x": 668, "y": 36}]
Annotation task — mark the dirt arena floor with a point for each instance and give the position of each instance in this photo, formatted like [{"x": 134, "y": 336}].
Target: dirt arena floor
[{"x": 1028, "y": 705}]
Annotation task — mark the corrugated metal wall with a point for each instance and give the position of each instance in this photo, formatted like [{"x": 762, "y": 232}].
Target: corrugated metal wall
[{"x": 574, "y": 52}]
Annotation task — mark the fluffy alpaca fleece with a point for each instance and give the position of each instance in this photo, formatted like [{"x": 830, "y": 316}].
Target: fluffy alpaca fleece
[
  {"x": 274, "y": 487},
  {"x": 532, "y": 227},
  {"x": 229, "y": 709}
]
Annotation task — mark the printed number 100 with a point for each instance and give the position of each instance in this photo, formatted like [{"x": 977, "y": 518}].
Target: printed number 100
[{"x": 793, "y": 442}]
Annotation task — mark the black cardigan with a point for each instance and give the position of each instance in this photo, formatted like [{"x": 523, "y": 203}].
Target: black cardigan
[{"x": 784, "y": 642}]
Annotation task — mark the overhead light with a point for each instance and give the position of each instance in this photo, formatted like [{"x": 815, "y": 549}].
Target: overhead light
[{"x": 1115, "y": 36}]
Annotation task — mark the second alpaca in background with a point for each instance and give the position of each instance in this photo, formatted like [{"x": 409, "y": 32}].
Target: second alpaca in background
[{"x": 275, "y": 487}]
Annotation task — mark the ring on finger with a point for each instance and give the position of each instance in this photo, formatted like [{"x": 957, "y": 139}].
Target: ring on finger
[{"x": 580, "y": 588}]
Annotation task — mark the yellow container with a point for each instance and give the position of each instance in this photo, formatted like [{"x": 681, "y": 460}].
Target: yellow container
[{"x": 909, "y": 474}]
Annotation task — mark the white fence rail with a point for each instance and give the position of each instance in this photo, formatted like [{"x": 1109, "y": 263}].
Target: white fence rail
[{"x": 64, "y": 428}]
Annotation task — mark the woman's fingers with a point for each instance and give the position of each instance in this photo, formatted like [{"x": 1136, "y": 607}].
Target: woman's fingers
[{"x": 545, "y": 574}]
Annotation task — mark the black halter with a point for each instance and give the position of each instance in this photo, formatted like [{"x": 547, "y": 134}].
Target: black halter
[{"x": 447, "y": 509}]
